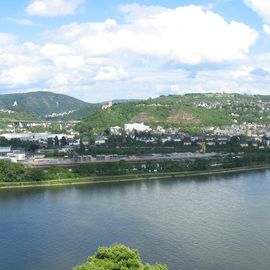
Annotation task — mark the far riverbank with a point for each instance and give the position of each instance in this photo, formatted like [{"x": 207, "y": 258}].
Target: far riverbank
[{"x": 125, "y": 178}]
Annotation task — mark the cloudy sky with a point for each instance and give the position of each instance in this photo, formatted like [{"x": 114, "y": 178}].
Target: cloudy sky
[{"x": 111, "y": 49}]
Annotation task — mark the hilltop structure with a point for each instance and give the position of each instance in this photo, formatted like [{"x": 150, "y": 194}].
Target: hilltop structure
[{"x": 107, "y": 106}]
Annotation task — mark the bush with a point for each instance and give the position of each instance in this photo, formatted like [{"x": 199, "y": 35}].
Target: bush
[{"x": 117, "y": 257}]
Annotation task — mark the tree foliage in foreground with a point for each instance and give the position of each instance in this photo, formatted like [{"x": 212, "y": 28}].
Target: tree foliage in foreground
[{"x": 117, "y": 257}]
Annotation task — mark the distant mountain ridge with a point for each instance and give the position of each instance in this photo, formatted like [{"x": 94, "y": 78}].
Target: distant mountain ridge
[
  {"x": 190, "y": 110},
  {"x": 43, "y": 104}
]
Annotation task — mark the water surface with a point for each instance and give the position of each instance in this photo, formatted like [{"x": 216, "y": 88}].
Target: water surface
[{"x": 207, "y": 222}]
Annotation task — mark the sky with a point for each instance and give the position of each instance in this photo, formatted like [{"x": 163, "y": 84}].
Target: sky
[{"x": 119, "y": 49}]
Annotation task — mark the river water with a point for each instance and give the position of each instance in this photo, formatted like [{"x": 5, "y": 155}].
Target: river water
[{"x": 207, "y": 222}]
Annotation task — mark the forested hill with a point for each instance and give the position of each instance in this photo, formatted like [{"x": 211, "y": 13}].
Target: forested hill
[
  {"x": 187, "y": 110},
  {"x": 190, "y": 110},
  {"x": 46, "y": 103}
]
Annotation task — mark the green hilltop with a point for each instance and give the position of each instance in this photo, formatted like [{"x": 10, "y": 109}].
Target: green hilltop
[
  {"x": 38, "y": 105},
  {"x": 185, "y": 111},
  {"x": 190, "y": 110}
]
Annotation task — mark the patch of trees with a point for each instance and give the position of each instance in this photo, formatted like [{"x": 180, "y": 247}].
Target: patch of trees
[
  {"x": 17, "y": 143},
  {"x": 16, "y": 172},
  {"x": 117, "y": 257}
]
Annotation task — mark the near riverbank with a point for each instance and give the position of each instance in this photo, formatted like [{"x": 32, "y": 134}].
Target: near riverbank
[{"x": 125, "y": 178}]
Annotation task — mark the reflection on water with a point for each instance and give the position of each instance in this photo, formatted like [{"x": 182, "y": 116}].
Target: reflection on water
[{"x": 205, "y": 222}]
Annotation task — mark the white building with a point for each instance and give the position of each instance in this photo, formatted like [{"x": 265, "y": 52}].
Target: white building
[
  {"x": 4, "y": 150},
  {"x": 160, "y": 129},
  {"x": 35, "y": 136},
  {"x": 115, "y": 130},
  {"x": 17, "y": 155},
  {"x": 11, "y": 155},
  {"x": 139, "y": 127},
  {"x": 100, "y": 140}
]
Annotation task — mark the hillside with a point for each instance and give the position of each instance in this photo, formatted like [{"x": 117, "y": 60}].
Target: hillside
[
  {"x": 46, "y": 104},
  {"x": 191, "y": 110},
  {"x": 82, "y": 112},
  {"x": 15, "y": 114}
]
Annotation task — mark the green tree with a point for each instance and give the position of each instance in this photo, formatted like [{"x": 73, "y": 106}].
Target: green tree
[
  {"x": 50, "y": 143},
  {"x": 117, "y": 257},
  {"x": 13, "y": 172},
  {"x": 63, "y": 141},
  {"x": 235, "y": 140},
  {"x": 56, "y": 141},
  {"x": 82, "y": 147},
  {"x": 36, "y": 175}
]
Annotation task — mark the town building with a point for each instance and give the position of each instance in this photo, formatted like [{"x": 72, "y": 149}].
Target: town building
[
  {"x": 100, "y": 140},
  {"x": 139, "y": 127},
  {"x": 11, "y": 155}
]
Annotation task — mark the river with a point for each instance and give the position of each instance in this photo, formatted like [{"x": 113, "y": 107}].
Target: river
[{"x": 206, "y": 222}]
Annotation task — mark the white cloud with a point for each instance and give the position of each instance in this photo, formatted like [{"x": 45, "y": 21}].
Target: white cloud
[
  {"x": 111, "y": 74},
  {"x": 24, "y": 75},
  {"x": 189, "y": 35},
  {"x": 22, "y": 21},
  {"x": 134, "y": 11},
  {"x": 152, "y": 49},
  {"x": 52, "y": 50},
  {"x": 7, "y": 38},
  {"x": 262, "y": 7},
  {"x": 266, "y": 29},
  {"x": 51, "y": 8}
]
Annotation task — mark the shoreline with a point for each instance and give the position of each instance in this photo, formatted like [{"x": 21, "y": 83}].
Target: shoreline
[{"x": 125, "y": 178}]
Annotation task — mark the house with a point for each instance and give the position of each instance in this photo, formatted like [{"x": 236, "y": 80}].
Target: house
[
  {"x": 115, "y": 130},
  {"x": 16, "y": 156},
  {"x": 85, "y": 141},
  {"x": 4, "y": 150},
  {"x": 244, "y": 145},
  {"x": 167, "y": 139},
  {"x": 255, "y": 144},
  {"x": 84, "y": 158},
  {"x": 100, "y": 157},
  {"x": 11, "y": 155},
  {"x": 139, "y": 127},
  {"x": 222, "y": 140},
  {"x": 35, "y": 136},
  {"x": 187, "y": 143},
  {"x": 100, "y": 140},
  {"x": 160, "y": 130},
  {"x": 210, "y": 141},
  {"x": 74, "y": 142}
]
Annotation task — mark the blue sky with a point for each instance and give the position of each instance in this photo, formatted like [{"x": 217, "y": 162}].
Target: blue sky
[{"x": 101, "y": 50}]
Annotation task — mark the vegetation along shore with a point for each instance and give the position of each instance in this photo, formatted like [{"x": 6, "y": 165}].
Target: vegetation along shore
[{"x": 125, "y": 178}]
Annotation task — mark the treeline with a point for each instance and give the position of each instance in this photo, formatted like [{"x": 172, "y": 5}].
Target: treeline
[
  {"x": 30, "y": 146},
  {"x": 16, "y": 172}
]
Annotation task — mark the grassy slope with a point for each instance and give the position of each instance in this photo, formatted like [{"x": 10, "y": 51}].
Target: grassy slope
[{"x": 82, "y": 112}]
